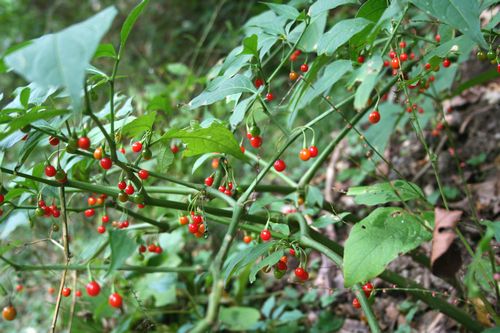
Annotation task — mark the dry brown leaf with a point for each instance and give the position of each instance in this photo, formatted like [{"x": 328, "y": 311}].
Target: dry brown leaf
[
  {"x": 445, "y": 254},
  {"x": 481, "y": 312}
]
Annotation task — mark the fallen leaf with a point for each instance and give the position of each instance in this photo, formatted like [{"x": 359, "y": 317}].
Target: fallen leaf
[{"x": 445, "y": 254}]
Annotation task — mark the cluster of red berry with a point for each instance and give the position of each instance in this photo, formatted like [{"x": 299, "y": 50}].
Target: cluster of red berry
[
  {"x": 47, "y": 211},
  {"x": 367, "y": 289},
  {"x": 196, "y": 227},
  {"x": 93, "y": 289},
  {"x": 152, "y": 248}
]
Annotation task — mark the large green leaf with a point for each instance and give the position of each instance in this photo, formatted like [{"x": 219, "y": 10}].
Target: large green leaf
[
  {"x": 323, "y": 5},
  {"x": 267, "y": 261},
  {"x": 460, "y": 14},
  {"x": 383, "y": 192},
  {"x": 284, "y": 10},
  {"x": 367, "y": 74},
  {"x": 371, "y": 10},
  {"x": 139, "y": 125},
  {"x": 339, "y": 34},
  {"x": 222, "y": 87},
  {"x": 122, "y": 247},
  {"x": 201, "y": 140},
  {"x": 239, "y": 318},
  {"x": 60, "y": 59},
  {"x": 377, "y": 240},
  {"x": 130, "y": 21}
]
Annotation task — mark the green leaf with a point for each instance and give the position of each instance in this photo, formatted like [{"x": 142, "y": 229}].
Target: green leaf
[
  {"x": 158, "y": 286},
  {"x": 222, "y": 87},
  {"x": 340, "y": 34},
  {"x": 383, "y": 192},
  {"x": 105, "y": 51},
  {"x": 130, "y": 21},
  {"x": 371, "y": 10},
  {"x": 477, "y": 159},
  {"x": 60, "y": 59},
  {"x": 250, "y": 46},
  {"x": 323, "y": 5},
  {"x": 165, "y": 157},
  {"x": 367, "y": 74},
  {"x": 121, "y": 248},
  {"x": 24, "y": 97},
  {"x": 28, "y": 118},
  {"x": 314, "y": 196},
  {"x": 178, "y": 69},
  {"x": 284, "y": 10},
  {"x": 267, "y": 261},
  {"x": 462, "y": 15},
  {"x": 377, "y": 240},
  {"x": 243, "y": 258},
  {"x": 200, "y": 140},
  {"x": 239, "y": 318},
  {"x": 139, "y": 125},
  {"x": 240, "y": 110},
  {"x": 281, "y": 228}
]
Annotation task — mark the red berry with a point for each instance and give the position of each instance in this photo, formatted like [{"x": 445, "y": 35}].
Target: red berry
[
  {"x": 222, "y": 188},
  {"x": 427, "y": 66},
  {"x": 50, "y": 171},
  {"x": 105, "y": 219},
  {"x": 84, "y": 143},
  {"x": 19, "y": 288},
  {"x": 279, "y": 165},
  {"x": 209, "y": 181},
  {"x": 403, "y": 57},
  {"x": 304, "y": 68},
  {"x": 386, "y": 63},
  {"x": 174, "y": 149},
  {"x": 402, "y": 44},
  {"x": 56, "y": 213},
  {"x": 498, "y": 68},
  {"x": 392, "y": 54},
  {"x": 89, "y": 212},
  {"x": 230, "y": 185},
  {"x": 301, "y": 274},
  {"x": 129, "y": 189},
  {"x": 297, "y": 52},
  {"x": 106, "y": 163},
  {"x": 54, "y": 141},
  {"x": 242, "y": 148},
  {"x": 395, "y": 63},
  {"x": 247, "y": 239},
  {"x": 152, "y": 248},
  {"x": 41, "y": 203},
  {"x": 142, "y": 249},
  {"x": 431, "y": 78},
  {"x": 228, "y": 192},
  {"x": 197, "y": 219},
  {"x": 78, "y": 293},
  {"x": 374, "y": 117},
  {"x": 258, "y": 83},
  {"x": 292, "y": 252},
  {"x": 446, "y": 62},
  {"x": 66, "y": 291},
  {"x": 368, "y": 288},
  {"x": 140, "y": 206},
  {"x": 256, "y": 141},
  {"x": 361, "y": 59},
  {"x": 305, "y": 154},
  {"x": 313, "y": 151},
  {"x": 136, "y": 147},
  {"x": 101, "y": 229},
  {"x": 158, "y": 249},
  {"x": 193, "y": 228},
  {"x": 281, "y": 266},
  {"x": 356, "y": 303},
  {"x": 124, "y": 224},
  {"x": 115, "y": 300},
  {"x": 143, "y": 174},
  {"x": 293, "y": 57},
  {"x": 438, "y": 38},
  {"x": 412, "y": 56},
  {"x": 122, "y": 185},
  {"x": 93, "y": 288},
  {"x": 269, "y": 97},
  {"x": 122, "y": 150},
  {"x": 265, "y": 235}
]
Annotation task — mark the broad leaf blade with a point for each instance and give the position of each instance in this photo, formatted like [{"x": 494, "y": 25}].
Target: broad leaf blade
[
  {"x": 60, "y": 59},
  {"x": 460, "y": 14},
  {"x": 200, "y": 140},
  {"x": 130, "y": 21},
  {"x": 340, "y": 34},
  {"x": 139, "y": 125},
  {"x": 377, "y": 240},
  {"x": 267, "y": 261},
  {"x": 383, "y": 192}
]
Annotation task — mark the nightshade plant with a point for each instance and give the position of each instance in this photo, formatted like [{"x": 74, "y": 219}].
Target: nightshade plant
[{"x": 75, "y": 148}]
